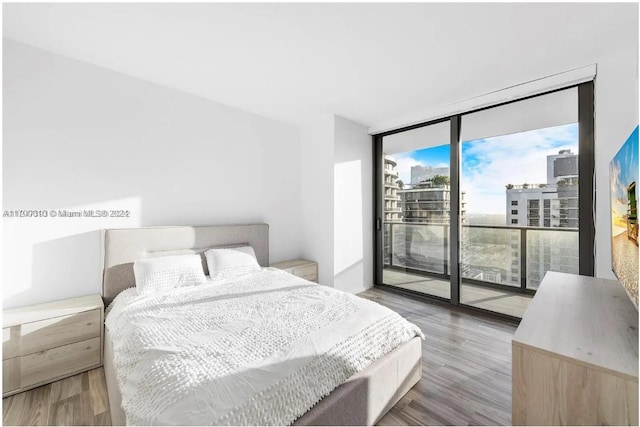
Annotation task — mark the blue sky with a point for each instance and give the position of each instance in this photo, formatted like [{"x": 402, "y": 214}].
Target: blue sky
[
  {"x": 491, "y": 163},
  {"x": 623, "y": 171}
]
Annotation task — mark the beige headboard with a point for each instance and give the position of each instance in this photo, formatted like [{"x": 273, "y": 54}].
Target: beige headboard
[{"x": 123, "y": 246}]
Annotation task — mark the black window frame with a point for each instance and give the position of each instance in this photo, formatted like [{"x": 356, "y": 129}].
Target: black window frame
[{"x": 586, "y": 171}]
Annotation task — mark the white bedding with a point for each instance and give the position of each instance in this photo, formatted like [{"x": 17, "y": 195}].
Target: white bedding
[{"x": 259, "y": 349}]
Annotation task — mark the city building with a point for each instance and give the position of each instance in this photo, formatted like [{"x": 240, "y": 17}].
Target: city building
[
  {"x": 553, "y": 204},
  {"x": 421, "y": 173},
  {"x": 428, "y": 203},
  {"x": 392, "y": 210},
  {"x": 422, "y": 243}
]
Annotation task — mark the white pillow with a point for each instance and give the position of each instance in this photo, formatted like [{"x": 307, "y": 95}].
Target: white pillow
[
  {"x": 154, "y": 275},
  {"x": 226, "y": 262}
]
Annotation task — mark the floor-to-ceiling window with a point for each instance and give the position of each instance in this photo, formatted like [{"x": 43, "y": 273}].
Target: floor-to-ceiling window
[
  {"x": 416, "y": 211},
  {"x": 520, "y": 208},
  {"x": 519, "y": 168}
]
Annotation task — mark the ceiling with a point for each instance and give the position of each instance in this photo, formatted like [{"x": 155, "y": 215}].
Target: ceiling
[{"x": 369, "y": 62}]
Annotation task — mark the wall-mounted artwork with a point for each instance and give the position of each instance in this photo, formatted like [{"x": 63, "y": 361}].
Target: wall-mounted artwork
[{"x": 623, "y": 177}]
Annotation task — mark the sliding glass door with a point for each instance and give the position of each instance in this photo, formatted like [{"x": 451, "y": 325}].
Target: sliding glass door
[
  {"x": 416, "y": 210},
  {"x": 519, "y": 167},
  {"x": 504, "y": 192}
]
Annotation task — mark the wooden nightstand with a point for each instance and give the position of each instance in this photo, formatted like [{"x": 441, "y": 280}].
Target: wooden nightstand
[
  {"x": 46, "y": 342},
  {"x": 300, "y": 267}
]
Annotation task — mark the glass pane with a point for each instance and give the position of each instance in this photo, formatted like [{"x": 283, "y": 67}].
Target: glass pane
[
  {"x": 484, "y": 252},
  {"x": 416, "y": 210},
  {"x": 552, "y": 250},
  {"x": 521, "y": 203}
]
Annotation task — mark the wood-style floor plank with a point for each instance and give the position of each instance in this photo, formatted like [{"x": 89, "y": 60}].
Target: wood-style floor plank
[
  {"x": 72, "y": 411},
  {"x": 102, "y": 419},
  {"x": 69, "y": 387},
  {"x": 466, "y": 366},
  {"x": 98, "y": 391},
  {"x": 77, "y": 400},
  {"x": 466, "y": 375},
  {"x": 28, "y": 408}
]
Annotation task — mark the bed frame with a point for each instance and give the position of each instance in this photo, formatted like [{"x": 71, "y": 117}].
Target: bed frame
[{"x": 362, "y": 400}]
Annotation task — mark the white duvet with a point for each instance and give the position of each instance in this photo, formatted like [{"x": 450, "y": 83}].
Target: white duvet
[{"x": 261, "y": 348}]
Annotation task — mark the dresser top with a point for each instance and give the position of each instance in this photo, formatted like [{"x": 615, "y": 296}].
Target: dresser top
[
  {"x": 591, "y": 321},
  {"x": 33, "y": 313},
  {"x": 291, "y": 264}
]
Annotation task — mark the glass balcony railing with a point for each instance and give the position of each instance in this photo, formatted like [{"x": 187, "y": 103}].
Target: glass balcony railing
[{"x": 511, "y": 256}]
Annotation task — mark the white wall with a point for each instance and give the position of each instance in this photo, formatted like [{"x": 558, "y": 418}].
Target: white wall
[
  {"x": 353, "y": 207},
  {"x": 317, "y": 148},
  {"x": 337, "y": 201},
  {"x": 616, "y": 115},
  {"x": 81, "y": 137}
]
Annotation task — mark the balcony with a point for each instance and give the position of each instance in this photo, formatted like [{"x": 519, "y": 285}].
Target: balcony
[{"x": 501, "y": 266}]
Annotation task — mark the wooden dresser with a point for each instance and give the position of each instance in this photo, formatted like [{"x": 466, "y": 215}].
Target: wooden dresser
[
  {"x": 575, "y": 355},
  {"x": 46, "y": 342},
  {"x": 300, "y": 267}
]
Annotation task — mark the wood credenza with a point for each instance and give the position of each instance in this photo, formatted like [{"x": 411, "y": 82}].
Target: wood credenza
[{"x": 575, "y": 355}]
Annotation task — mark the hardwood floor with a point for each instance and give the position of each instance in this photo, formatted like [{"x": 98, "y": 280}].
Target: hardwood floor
[
  {"x": 77, "y": 400},
  {"x": 466, "y": 376},
  {"x": 466, "y": 366}
]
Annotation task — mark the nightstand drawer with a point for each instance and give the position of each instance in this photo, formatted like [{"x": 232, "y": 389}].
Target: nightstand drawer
[
  {"x": 10, "y": 374},
  {"x": 306, "y": 271},
  {"x": 50, "y": 364},
  {"x": 59, "y": 331}
]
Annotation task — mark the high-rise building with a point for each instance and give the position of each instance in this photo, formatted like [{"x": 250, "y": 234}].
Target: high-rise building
[
  {"x": 421, "y": 173},
  {"x": 426, "y": 211},
  {"x": 553, "y": 204},
  {"x": 392, "y": 210},
  {"x": 428, "y": 203}
]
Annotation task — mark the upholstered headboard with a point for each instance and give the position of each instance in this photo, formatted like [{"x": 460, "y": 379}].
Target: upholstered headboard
[{"x": 123, "y": 246}]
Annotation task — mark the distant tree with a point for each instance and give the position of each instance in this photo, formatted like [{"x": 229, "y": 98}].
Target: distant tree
[
  {"x": 441, "y": 180},
  {"x": 509, "y": 186},
  {"x": 400, "y": 183},
  {"x": 525, "y": 185}
]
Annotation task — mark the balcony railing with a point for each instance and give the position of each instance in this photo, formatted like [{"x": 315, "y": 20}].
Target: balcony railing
[{"x": 502, "y": 255}]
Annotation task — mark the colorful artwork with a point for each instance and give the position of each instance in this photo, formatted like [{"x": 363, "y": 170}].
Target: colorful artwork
[{"x": 623, "y": 176}]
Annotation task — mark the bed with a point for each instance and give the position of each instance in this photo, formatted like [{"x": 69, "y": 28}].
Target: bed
[{"x": 361, "y": 398}]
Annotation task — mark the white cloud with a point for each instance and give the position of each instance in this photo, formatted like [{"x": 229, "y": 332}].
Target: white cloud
[
  {"x": 490, "y": 164},
  {"x": 405, "y": 161},
  {"x": 510, "y": 159}
]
